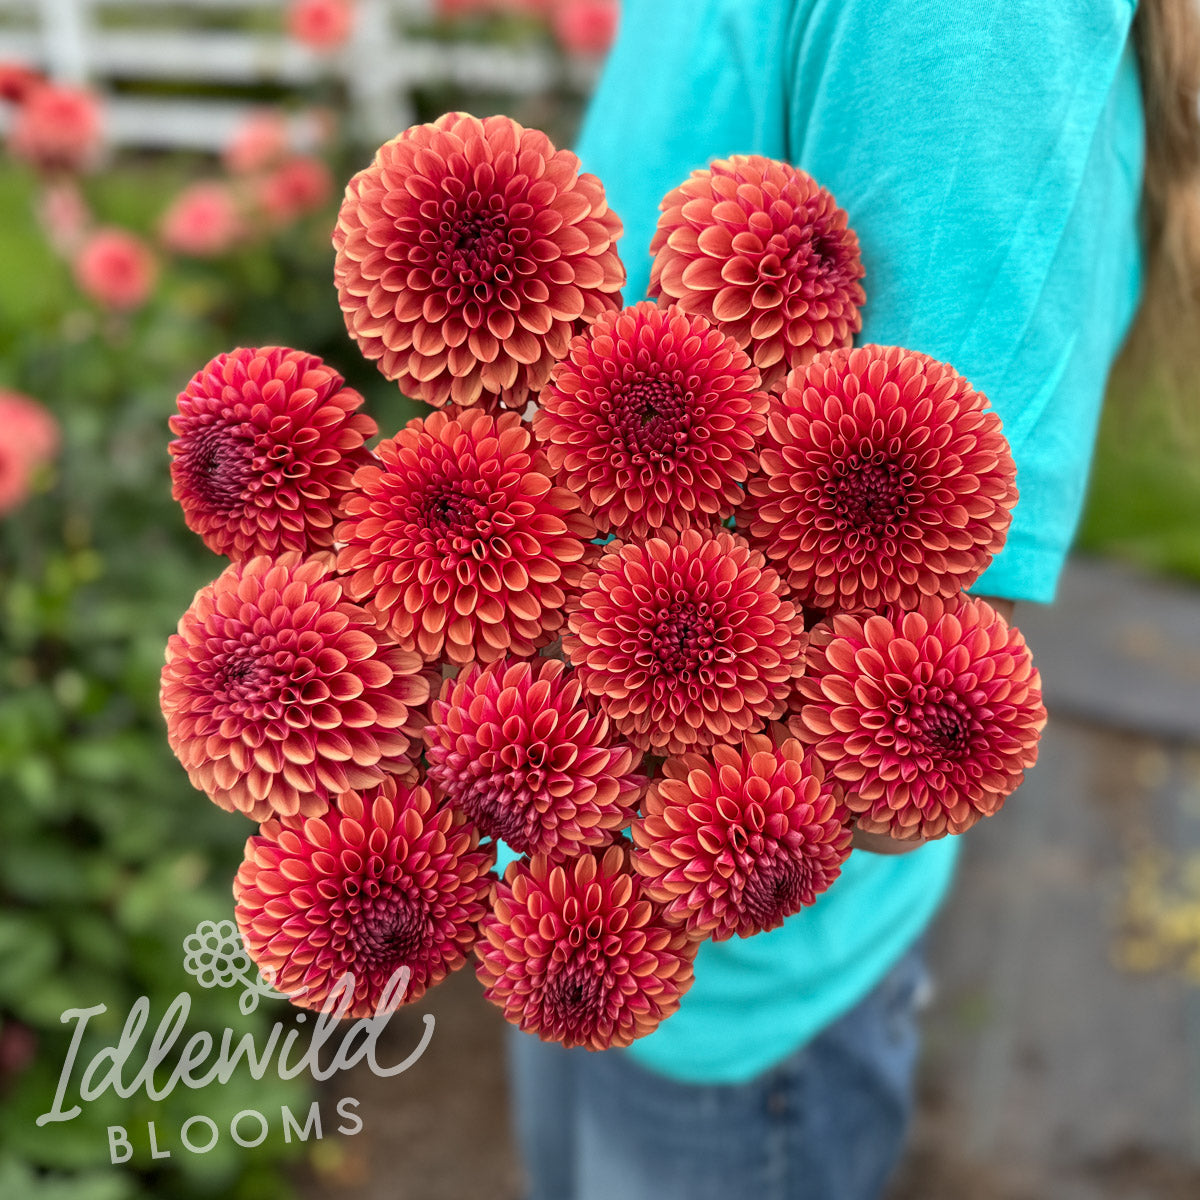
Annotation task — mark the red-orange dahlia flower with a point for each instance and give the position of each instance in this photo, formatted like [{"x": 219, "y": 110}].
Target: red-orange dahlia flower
[
  {"x": 468, "y": 254},
  {"x": 29, "y": 437},
  {"x": 577, "y": 953},
  {"x": 57, "y": 128},
  {"x": 459, "y": 540},
  {"x": 116, "y": 269},
  {"x": 929, "y": 718},
  {"x": 653, "y": 420},
  {"x": 514, "y": 747},
  {"x": 267, "y": 444},
  {"x": 736, "y": 842},
  {"x": 686, "y": 640},
  {"x": 279, "y": 693},
  {"x": 884, "y": 478},
  {"x": 761, "y": 249},
  {"x": 385, "y": 880}
]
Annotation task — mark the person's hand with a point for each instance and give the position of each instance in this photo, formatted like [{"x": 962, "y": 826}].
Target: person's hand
[{"x": 881, "y": 843}]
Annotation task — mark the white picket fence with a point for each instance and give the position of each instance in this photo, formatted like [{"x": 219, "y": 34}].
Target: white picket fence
[{"x": 205, "y": 44}]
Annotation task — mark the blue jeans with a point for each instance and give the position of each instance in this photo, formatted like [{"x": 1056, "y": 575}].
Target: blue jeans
[{"x": 827, "y": 1123}]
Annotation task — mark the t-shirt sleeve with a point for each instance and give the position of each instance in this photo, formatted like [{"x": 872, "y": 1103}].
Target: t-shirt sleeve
[{"x": 989, "y": 155}]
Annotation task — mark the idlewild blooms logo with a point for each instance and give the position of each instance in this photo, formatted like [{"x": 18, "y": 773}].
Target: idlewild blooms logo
[{"x": 155, "y": 1063}]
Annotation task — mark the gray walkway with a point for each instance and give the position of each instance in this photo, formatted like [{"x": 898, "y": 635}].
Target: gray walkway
[{"x": 1053, "y": 1071}]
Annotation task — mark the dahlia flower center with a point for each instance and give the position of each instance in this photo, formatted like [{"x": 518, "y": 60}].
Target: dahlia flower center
[
  {"x": 943, "y": 723},
  {"x": 447, "y": 510},
  {"x": 776, "y": 891},
  {"x": 870, "y": 496},
  {"x": 650, "y": 418},
  {"x": 390, "y": 930},
  {"x": 685, "y": 639},
  {"x": 575, "y": 996},
  {"x": 477, "y": 250},
  {"x": 496, "y": 812},
  {"x": 245, "y": 678},
  {"x": 220, "y": 463}
]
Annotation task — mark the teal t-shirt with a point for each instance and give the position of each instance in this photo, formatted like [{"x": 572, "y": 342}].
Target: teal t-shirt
[{"x": 989, "y": 155}]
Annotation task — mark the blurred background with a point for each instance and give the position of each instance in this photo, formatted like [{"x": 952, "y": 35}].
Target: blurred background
[{"x": 168, "y": 195}]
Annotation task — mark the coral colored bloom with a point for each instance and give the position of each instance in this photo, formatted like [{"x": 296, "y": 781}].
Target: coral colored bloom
[
  {"x": 384, "y": 881},
  {"x": 56, "y": 128},
  {"x": 468, "y": 254},
  {"x": 116, "y": 269},
  {"x": 686, "y": 640},
  {"x": 17, "y": 81},
  {"x": 735, "y": 842},
  {"x": 761, "y": 249},
  {"x": 267, "y": 443},
  {"x": 586, "y": 27},
  {"x": 884, "y": 478},
  {"x": 459, "y": 541},
  {"x": 260, "y": 141},
  {"x": 930, "y": 718},
  {"x": 203, "y": 220},
  {"x": 279, "y": 694},
  {"x": 29, "y": 437},
  {"x": 296, "y": 187},
  {"x": 515, "y": 748},
  {"x": 321, "y": 24},
  {"x": 578, "y": 954},
  {"x": 653, "y": 420}
]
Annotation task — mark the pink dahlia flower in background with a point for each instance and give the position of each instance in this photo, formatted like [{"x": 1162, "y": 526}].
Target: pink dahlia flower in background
[
  {"x": 29, "y": 437},
  {"x": 17, "y": 80},
  {"x": 468, "y": 254},
  {"x": 459, "y": 540},
  {"x": 928, "y": 718},
  {"x": 586, "y": 27},
  {"x": 64, "y": 215},
  {"x": 735, "y": 842},
  {"x": 515, "y": 747},
  {"x": 385, "y": 880},
  {"x": 116, "y": 269},
  {"x": 685, "y": 640},
  {"x": 267, "y": 443},
  {"x": 885, "y": 477},
  {"x": 653, "y": 420},
  {"x": 321, "y": 24},
  {"x": 761, "y": 249},
  {"x": 56, "y": 128},
  {"x": 260, "y": 141},
  {"x": 279, "y": 694},
  {"x": 204, "y": 220},
  {"x": 577, "y": 953},
  {"x": 296, "y": 187}
]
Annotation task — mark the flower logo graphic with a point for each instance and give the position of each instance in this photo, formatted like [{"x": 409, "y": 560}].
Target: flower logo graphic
[{"x": 215, "y": 956}]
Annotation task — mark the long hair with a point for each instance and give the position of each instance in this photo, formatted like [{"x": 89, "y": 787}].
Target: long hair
[{"x": 1167, "y": 334}]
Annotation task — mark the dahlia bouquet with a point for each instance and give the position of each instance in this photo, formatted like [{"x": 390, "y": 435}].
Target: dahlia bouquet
[{"x": 667, "y": 598}]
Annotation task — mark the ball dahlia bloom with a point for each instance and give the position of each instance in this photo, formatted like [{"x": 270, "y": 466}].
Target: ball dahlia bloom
[
  {"x": 884, "y": 478},
  {"x": 468, "y": 254},
  {"x": 202, "y": 221},
  {"x": 116, "y": 269},
  {"x": 385, "y": 880},
  {"x": 459, "y": 540},
  {"x": 29, "y": 437},
  {"x": 515, "y": 747},
  {"x": 685, "y": 640},
  {"x": 577, "y": 953},
  {"x": 267, "y": 443},
  {"x": 928, "y": 718},
  {"x": 761, "y": 249},
  {"x": 56, "y": 128},
  {"x": 321, "y": 24},
  {"x": 279, "y": 694},
  {"x": 735, "y": 842},
  {"x": 17, "y": 80},
  {"x": 653, "y": 420}
]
